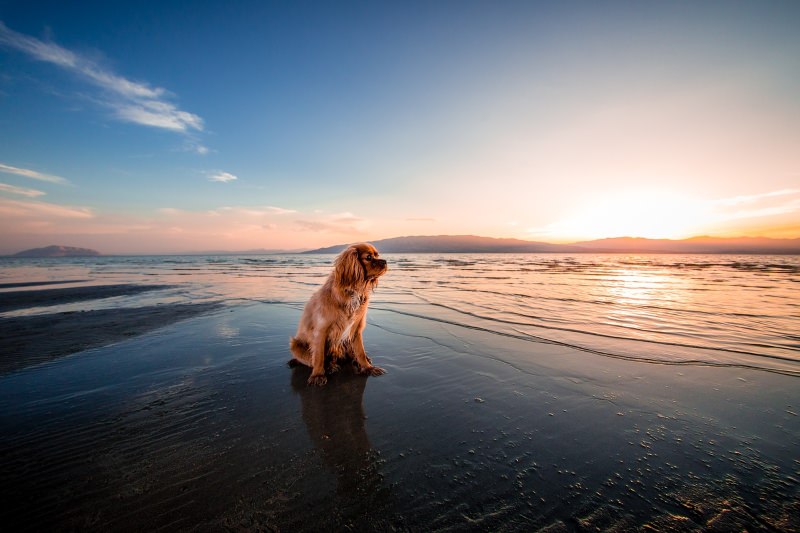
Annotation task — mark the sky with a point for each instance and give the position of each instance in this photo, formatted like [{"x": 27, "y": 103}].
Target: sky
[{"x": 165, "y": 127}]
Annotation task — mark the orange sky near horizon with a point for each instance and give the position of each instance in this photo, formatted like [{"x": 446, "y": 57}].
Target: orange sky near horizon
[{"x": 651, "y": 214}]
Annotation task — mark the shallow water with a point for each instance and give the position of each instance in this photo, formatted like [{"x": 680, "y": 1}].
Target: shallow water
[
  {"x": 524, "y": 392},
  {"x": 677, "y": 309},
  {"x": 201, "y": 426}
]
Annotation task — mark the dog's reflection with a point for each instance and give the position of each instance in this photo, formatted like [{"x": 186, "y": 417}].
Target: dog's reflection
[{"x": 334, "y": 416}]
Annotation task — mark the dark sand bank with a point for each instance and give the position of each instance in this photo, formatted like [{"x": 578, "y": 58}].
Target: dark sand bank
[
  {"x": 12, "y": 300},
  {"x": 202, "y": 426},
  {"x": 27, "y": 341},
  {"x": 16, "y": 285}
]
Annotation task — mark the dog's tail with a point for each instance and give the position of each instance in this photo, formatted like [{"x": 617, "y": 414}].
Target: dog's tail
[{"x": 301, "y": 352}]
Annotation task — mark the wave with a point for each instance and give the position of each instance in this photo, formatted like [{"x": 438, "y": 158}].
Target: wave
[
  {"x": 608, "y": 336},
  {"x": 524, "y": 336},
  {"x": 736, "y": 306},
  {"x": 539, "y": 297}
]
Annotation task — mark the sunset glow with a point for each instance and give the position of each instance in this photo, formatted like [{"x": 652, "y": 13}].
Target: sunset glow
[
  {"x": 655, "y": 215},
  {"x": 308, "y": 128}
]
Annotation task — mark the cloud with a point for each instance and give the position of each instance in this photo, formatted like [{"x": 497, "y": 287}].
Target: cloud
[
  {"x": 33, "y": 174},
  {"x": 247, "y": 211},
  {"x": 195, "y": 147},
  {"x": 223, "y": 177},
  {"x": 313, "y": 225},
  {"x": 32, "y": 193},
  {"x": 764, "y": 204},
  {"x": 130, "y": 101},
  {"x": 27, "y": 209},
  {"x": 753, "y": 198},
  {"x": 342, "y": 223},
  {"x": 252, "y": 211},
  {"x": 158, "y": 115},
  {"x": 172, "y": 229},
  {"x": 280, "y": 210},
  {"x": 346, "y": 218}
]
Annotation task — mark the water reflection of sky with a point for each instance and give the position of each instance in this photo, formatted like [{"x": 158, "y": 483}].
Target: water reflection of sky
[{"x": 740, "y": 303}]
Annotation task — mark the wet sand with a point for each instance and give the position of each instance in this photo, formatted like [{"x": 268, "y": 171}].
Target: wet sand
[
  {"x": 11, "y": 300},
  {"x": 31, "y": 340},
  {"x": 200, "y": 425},
  {"x": 27, "y": 341}
]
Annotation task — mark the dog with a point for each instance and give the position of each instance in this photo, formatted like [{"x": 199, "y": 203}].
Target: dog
[{"x": 334, "y": 318}]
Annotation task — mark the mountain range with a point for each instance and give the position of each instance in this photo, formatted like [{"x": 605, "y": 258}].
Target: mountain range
[
  {"x": 58, "y": 251},
  {"x": 475, "y": 244}
]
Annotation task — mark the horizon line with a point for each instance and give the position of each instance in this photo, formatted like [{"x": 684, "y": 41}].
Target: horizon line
[{"x": 281, "y": 251}]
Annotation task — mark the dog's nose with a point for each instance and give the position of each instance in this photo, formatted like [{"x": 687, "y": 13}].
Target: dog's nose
[{"x": 381, "y": 262}]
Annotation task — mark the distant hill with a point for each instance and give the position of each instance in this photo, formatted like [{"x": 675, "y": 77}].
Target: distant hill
[
  {"x": 58, "y": 251},
  {"x": 694, "y": 245},
  {"x": 455, "y": 244},
  {"x": 475, "y": 244}
]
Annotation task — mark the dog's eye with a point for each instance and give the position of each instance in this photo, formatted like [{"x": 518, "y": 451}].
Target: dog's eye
[{"x": 369, "y": 257}]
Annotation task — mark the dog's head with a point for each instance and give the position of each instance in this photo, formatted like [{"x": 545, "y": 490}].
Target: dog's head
[{"x": 359, "y": 264}]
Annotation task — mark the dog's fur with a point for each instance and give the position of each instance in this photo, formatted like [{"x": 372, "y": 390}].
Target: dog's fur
[{"x": 334, "y": 318}]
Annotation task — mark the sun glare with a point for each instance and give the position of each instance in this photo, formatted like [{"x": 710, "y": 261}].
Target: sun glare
[{"x": 650, "y": 214}]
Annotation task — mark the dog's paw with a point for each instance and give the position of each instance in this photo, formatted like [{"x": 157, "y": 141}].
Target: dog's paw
[
  {"x": 319, "y": 381},
  {"x": 372, "y": 371},
  {"x": 333, "y": 368},
  {"x": 358, "y": 367}
]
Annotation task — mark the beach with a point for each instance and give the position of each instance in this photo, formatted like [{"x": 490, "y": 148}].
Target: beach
[
  {"x": 194, "y": 421},
  {"x": 31, "y": 340}
]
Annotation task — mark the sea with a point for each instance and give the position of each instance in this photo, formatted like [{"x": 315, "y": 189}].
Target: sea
[{"x": 708, "y": 310}]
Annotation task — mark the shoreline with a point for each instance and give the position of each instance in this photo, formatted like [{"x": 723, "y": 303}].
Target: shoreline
[
  {"x": 200, "y": 425},
  {"x": 31, "y": 340},
  {"x": 15, "y": 300}
]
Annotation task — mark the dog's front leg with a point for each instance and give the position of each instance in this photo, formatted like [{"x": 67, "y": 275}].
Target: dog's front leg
[
  {"x": 364, "y": 363},
  {"x": 318, "y": 359}
]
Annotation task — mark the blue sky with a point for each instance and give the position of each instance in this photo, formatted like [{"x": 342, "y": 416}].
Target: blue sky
[{"x": 183, "y": 126}]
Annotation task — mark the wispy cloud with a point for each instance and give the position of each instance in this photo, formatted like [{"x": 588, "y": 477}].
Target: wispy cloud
[
  {"x": 192, "y": 145},
  {"x": 157, "y": 114},
  {"x": 130, "y": 101},
  {"x": 174, "y": 228},
  {"x": 255, "y": 211},
  {"x": 754, "y": 198},
  {"x": 170, "y": 211},
  {"x": 341, "y": 223},
  {"x": 257, "y": 218},
  {"x": 33, "y": 174},
  {"x": 771, "y": 203},
  {"x": 222, "y": 177},
  {"x": 346, "y": 218},
  {"x": 280, "y": 210},
  {"x": 20, "y": 208},
  {"x": 31, "y": 193}
]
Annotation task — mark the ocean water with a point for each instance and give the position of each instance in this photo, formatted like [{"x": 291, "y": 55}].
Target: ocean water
[
  {"x": 710, "y": 310},
  {"x": 677, "y": 412}
]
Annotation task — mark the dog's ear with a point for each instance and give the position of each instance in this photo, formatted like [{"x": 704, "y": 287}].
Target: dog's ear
[{"x": 347, "y": 269}]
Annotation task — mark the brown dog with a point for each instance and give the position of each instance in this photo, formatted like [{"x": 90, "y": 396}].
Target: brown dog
[{"x": 335, "y": 316}]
